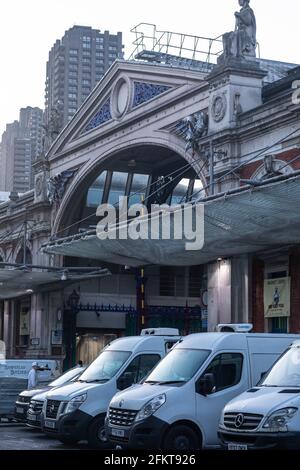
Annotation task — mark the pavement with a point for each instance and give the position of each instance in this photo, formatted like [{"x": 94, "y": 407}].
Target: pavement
[{"x": 15, "y": 436}]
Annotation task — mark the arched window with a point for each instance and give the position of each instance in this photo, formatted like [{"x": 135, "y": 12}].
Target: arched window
[{"x": 20, "y": 257}]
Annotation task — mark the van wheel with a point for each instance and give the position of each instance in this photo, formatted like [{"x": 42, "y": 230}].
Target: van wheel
[
  {"x": 68, "y": 441},
  {"x": 97, "y": 437},
  {"x": 181, "y": 437}
]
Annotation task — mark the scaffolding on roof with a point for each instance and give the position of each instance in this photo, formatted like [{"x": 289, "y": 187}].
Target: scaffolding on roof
[{"x": 196, "y": 48}]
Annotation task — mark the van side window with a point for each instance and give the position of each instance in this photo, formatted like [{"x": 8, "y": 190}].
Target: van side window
[
  {"x": 227, "y": 369},
  {"x": 169, "y": 345},
  {"x": 141, "y": 365}
]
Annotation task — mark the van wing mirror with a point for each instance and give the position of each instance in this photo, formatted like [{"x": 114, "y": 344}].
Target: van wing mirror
[
  {"x": 263, "y": 376},
  {"x": 206, "y": 385},
  {"x": 125, "y": 381}
]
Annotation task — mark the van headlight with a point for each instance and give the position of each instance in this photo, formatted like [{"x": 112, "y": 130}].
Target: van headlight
[
  {"x": 277, "y": 421},
  {"x": 150, "y": 407},
  {"x": 75, "y": 403}
]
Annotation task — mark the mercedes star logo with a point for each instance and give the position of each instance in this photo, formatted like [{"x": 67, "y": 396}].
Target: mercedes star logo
[{"x": 239, "y": 421}]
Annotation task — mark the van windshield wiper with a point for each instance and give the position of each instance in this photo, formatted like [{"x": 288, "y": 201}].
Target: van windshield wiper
[
  {"x": 94, "y": 381},
  {"x": 170, "y": 382}
]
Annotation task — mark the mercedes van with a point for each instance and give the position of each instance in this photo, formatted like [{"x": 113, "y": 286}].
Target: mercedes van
[
  {"x": 267, "y": 416},
  {"x": 179, "y": 405},
  {"x": 77, "y": 411}
]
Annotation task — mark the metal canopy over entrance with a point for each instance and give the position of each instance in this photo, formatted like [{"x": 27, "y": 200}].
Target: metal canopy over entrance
[
  {"x": 24, "y": 280},
  {"x": 241, "y": 221}
]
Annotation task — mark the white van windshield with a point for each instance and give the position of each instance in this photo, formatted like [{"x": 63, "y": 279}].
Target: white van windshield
[
  {"x": 105, "y": 367},
  {"x": 179, "y": 366},
  {"x": 67, "y": 377},
  {"x": 285, "y": 372}
]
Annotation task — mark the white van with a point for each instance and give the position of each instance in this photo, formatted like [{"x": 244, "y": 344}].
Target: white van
[
  {"x": 77, "y": 411},
  {"x": 178, "y": 406},
  {"x": 267, "y": 416}
]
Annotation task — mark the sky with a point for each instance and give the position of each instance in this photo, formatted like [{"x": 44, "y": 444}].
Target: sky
[{"x": 28, "y": 29}]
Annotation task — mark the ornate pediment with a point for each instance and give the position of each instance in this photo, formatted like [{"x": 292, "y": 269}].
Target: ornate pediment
[{"x": 126, "y": 92}]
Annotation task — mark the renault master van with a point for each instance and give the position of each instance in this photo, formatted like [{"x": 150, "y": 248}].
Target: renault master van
[
  {"x": 179, "y": 405},
  {"x": 267, "y": 416},
  {"x": 77, "y": 411}
]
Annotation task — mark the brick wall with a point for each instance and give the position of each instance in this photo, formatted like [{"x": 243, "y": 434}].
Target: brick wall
[
  {"x": 258, "y": 319},
  {"x": 295, "y": 290}
]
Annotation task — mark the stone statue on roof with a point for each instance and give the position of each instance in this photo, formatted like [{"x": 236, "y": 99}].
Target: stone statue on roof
[
  {"x": 51, "y": 129},
  {"x": 241, "y": 43}
]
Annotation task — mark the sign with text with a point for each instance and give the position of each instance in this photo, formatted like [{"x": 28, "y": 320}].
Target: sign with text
[{"x": 277, "y": 297}]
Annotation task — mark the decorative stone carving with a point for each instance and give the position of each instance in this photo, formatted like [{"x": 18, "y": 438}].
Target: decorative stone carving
[
  {"x": 51, "y": 129},
  {"x": 241, "y": 43},
  {"x": 144, "y": 92},
  {"x": 237, "y": 107},
  {"x": 57, "y": 185},
  {"x": 192, "y": 129},
  {"x": 219, "y": 107},
  {"x": 38, "y": 186},
  {"x": 121, "y": 97},
  {"x": 101, "y": 117}
]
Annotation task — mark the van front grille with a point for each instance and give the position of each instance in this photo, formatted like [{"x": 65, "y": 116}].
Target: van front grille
[
  {"x": 242, "y": 421},
  {"x": 118, "y": 417},
  {"x": 52, "y": 408},
  {"x": 36, "y": 406}
]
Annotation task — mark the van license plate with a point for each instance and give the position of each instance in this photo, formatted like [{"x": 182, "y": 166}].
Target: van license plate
[
  {"x": 20, "y": 410},
  {"x": 117, "y": 432},
  {"x": 237, "y": 447},
  {"x": 50, "y": 424}
]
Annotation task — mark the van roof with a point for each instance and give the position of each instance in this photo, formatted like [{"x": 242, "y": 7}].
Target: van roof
[
  {"x": 132, "y": 343},
  {"x": 226, "y": 340}
]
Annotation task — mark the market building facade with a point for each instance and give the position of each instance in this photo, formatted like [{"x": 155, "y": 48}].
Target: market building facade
[{"x": 226, "y": 136}]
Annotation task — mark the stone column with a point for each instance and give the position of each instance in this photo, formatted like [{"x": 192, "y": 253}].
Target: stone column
[
  {"x": 9, "y": 327},
  {"x": 241, "y": 278},
  {"x": 38, "y": 325},
  {"x": 219, "y": 293},
  {"x": 258, "y": 279}
]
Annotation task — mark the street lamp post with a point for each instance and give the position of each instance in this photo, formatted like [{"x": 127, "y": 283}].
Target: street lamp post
[{"x": 70, "y": 329}]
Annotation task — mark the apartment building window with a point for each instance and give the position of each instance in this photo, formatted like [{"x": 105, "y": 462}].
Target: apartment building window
[
  {"x": 73, "y": 52},
  {"x": 87, "y": 39},
  {"x": 86, "y": 53},
  {"x": 73, "y": 67},
  {"x": 99, "y": 54},
  {"x": 72, "y": 81},
  {"x": 73, "y": 59},
  {"x": 112, "y": 55},
  {"x": 72, "y": 96},
  {"x": 99, "y": 40},
  {"x": 112, "y": 48},
  {"x": 86, "y": 82},
  {"x": 72, "y": 89},
  {"x": 99, "y": 47},
  {"x": 86, "y": 45},
  {"x": 86, "y": 60},
  {"x": 72, "y": 74}
]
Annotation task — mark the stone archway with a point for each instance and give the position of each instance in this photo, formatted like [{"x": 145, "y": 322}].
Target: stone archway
[{"x": 117, "y": 159}]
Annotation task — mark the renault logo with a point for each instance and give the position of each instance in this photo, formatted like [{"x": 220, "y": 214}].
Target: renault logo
[
  {"x": 121, "y": 403},
  {"x": 239, "y": 421}
]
